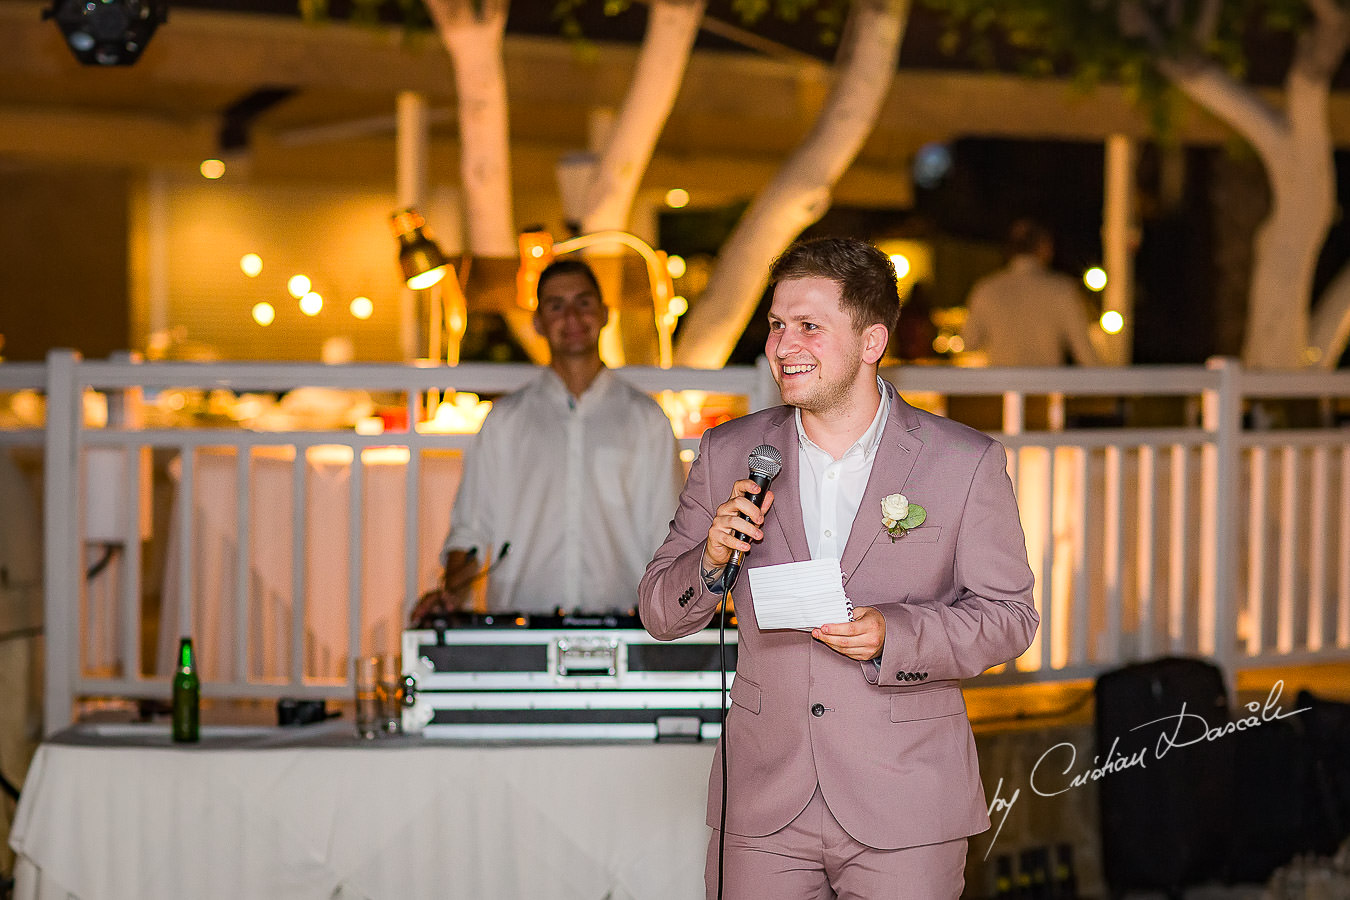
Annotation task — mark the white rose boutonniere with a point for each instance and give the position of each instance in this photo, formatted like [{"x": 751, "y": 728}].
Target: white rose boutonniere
[{"x": 899, "y": 515}]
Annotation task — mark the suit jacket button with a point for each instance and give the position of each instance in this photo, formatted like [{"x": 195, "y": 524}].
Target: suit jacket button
[
  {"x": 899, "y": 676},
  {"x": 818, "y": 710},
  {"x": 924, "y": 675}
]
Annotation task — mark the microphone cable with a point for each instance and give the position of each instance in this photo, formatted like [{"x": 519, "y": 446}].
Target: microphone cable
[
  {"x": 722, "y": 659},
  {"x": 482, "y": 572}
]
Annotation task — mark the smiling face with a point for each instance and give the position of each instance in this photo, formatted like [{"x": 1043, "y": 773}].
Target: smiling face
[
  {"x": 822, "y": 363},
  {"x": 570, "y": 315}
]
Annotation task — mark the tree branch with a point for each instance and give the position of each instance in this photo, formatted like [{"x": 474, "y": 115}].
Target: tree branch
[
  {"x": 1326, "y": 10},
  {"x": 1322, "y": 46},
  {"x": 799, "y": 194},
  {"x": 1206, "y": 83},
  {"x": 672, "y": 27},
  {"x": 1206, "y": 24},
  {"x": 1329, "y": 329},
  {"x": 1135, "y": 22}
]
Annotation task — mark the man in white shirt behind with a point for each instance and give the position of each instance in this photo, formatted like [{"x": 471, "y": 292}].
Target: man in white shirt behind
[
  {"x": 572, "y": 481},
  {"x": 1025, "y": 314}
]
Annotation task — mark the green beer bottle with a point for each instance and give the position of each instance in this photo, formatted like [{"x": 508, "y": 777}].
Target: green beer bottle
[{"x": 186, "y": 693}]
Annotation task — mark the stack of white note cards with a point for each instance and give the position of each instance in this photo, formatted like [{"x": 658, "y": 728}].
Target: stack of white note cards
[{"x": 801, "y": 595}]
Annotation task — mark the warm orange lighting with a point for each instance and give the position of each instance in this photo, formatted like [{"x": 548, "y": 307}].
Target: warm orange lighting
[
  {"x": 251, "y": 264},
  {"x": 536, "y": 252},
  {"x": 458, "y": 413},
  {"x": 677, "y": 198},
  {"x": 264, "y": 314},
  {"x": 298, "y": 286},
  {"x": 311, "y": 304},
  {"x": 419, "y": 257},
  {"x": 362, "y": 308},
  {"x": 212, "y": 168}
]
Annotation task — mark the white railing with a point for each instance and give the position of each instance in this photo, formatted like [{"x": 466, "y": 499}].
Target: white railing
[{"x": 288, "y": 550}]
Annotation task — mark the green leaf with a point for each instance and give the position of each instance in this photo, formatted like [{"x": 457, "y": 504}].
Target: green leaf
[{"x": 917, "y": 516}]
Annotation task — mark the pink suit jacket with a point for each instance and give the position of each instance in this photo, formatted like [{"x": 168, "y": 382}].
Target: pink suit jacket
[{"x": 892, "y": 749}]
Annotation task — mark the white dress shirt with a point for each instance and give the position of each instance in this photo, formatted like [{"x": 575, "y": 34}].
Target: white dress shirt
[
  {"x": 832, "y": 489},
  {"x": 583, "y": 489},
  {"x": 1026, "y": 315}
]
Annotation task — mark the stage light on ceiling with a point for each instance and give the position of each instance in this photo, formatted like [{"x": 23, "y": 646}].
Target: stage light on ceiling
[
  {"x": 676, "y": 266},
  {"x": 251, "y": 264},
  {"x": 264, "y": 314},
  {"x": 212, "y": 168},
  {"x": 362, "y": 308},
  {"x": 901, "y": 263},
  {"x": 1112, "y": 322},
  {"x": 298, "y": 286},
  {"x": 311, "y": 304},
  {"x": 1095, "y": 278},
  {"x": 422, "y": 262},
  {"x": 108, "y": 32},
  {"x": 677, "y": 198}
]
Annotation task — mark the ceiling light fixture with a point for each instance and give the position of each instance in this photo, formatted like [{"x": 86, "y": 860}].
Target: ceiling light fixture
[
  {"x": 108, "y": 32},
  {"x": 421, "y": 260}
]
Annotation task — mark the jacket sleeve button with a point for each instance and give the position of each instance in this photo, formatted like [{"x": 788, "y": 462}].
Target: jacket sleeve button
[{"x": 818, "y": 710}]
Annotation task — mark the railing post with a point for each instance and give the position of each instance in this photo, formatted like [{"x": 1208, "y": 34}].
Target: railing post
[
  {"x": 1014, "y": 412},
  {"x": 1217, "y": 623},
  {"x": 61, "y": 538}
]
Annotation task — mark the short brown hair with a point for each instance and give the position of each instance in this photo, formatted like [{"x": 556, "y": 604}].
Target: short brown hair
[
  {"x": 566, "y": 267},
  {"x": 866, "y": 277},
  {"x": 1027, "y": 236}
]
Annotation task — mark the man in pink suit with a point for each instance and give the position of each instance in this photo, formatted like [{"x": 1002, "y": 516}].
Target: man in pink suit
[{"x": 851, "y": 763}]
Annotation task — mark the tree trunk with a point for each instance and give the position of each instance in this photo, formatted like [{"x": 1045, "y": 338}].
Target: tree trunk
[
  {"x": 474, "y": 41},
  {"x": 473, "y": 38},
  {"x": 672, "y": 26},
  {"x": 1302, "y": 189},
  {"x": 800, "y": 193},
  {"x": 1295, "y": 147},
  {"x": 1330, "y": 330}
]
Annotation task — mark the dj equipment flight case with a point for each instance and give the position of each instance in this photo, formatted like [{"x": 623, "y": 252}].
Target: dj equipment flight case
[{"x": 508, "y": 676}]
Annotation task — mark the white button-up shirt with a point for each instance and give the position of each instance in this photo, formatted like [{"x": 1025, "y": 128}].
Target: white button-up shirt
[
  {"x": 1026, "y": 315},
  {"x": 583, "y": 489},
  {"x": 831, "y": 490}
]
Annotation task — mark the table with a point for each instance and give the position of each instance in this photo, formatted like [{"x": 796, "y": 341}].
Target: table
[{"x": 119, "y": 812}]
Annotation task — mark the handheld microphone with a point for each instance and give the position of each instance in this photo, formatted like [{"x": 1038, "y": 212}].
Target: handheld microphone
[{"x": 765, "y": 464}]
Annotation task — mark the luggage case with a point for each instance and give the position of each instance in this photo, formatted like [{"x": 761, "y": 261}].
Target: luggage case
[
  {"x": 563, "y": 678},
  {"x": 1164, "y": 824}
]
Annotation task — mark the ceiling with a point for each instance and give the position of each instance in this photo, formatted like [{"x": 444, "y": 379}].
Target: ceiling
[{"x": 165, "y": 112}]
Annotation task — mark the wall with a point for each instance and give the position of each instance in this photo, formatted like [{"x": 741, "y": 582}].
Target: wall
[
  {"x": 191, "y": 235},
  {"x": 63, "y": 277}
]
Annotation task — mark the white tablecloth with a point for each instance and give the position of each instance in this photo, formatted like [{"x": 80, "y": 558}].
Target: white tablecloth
[{"x": 262, "y": 818}]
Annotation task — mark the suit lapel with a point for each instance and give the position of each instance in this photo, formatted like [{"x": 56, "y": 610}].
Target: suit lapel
[
  {"x": 788, "y": 513},
  {"x": 896, "y": 455}
]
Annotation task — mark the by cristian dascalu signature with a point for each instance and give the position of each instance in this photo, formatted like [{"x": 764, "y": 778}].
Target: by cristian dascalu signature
[{"x": 1050, "y": 776}]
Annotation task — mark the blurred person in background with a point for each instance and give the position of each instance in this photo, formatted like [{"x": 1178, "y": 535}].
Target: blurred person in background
[
  {"x": 1026, "y": 314},
  {"x": 577, "y": 474}
]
